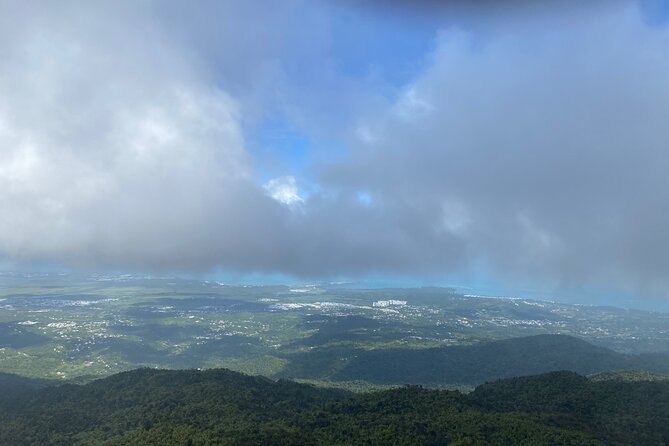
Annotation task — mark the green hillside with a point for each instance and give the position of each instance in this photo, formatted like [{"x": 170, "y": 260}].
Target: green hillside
[
  {"x": 627, "y": 375},
  {"x": 220, "y": 407},
  {"x": 11, "y": 384},
  {"x": 472, "y": 364}
]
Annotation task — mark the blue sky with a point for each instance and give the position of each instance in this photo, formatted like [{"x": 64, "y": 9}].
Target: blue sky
[
  {"x": 508, "y": 146},
  {"x": 656, "y": 12}
]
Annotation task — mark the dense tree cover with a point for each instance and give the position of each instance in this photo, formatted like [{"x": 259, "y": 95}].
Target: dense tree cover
[
  {"x": 220, "y": 407},
  {"x": 619, "y": 412},
  {"x": 468, "y": 364},
  {"x": 11, "y": 384},
  {"x": 627, "y": 375}
]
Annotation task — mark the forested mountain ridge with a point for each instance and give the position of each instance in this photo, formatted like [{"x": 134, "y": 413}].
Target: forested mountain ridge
[
  {"x": 469, "y": 364},
  {"x": 220, "y": 407},
  {"x": 15, "y": 383}
]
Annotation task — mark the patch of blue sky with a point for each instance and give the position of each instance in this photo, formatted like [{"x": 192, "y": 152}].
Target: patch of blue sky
[
  {"x": 279, "y": 149},
  {"x": 369, "y": 46},
  {"x": 655, "y": 12},
  {"x": 363, "y": 47},
  {"x": 365, "y": 198},
  {"x": 282, "y": 149}
]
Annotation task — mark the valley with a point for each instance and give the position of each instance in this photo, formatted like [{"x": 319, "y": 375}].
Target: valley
[{"x": 59, "y": 327}]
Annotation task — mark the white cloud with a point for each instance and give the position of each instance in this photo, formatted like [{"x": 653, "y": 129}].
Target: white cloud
[
  {"x": 412, "y": 105},
  {"x": 113, "y": 149},
  {"x": 284, "y": 190}
]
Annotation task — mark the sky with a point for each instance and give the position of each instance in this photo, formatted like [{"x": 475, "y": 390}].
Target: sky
[{"x": 505, "y": 145}]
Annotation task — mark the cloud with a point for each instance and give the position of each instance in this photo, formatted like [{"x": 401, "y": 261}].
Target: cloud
[
  {"x": 284, "y": 190},
  {"x": 123, "y": 137},
  {"x": 529, "y": 143},
  {"x": 544, "y": 142},
  {"x": 116, "y": 150}
]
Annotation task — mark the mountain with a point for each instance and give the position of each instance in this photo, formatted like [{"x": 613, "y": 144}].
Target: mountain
[
  {"x": 615, "y": 411},
  {"x": 147, "y": 406},
  {"x": 220, "y": 407},
  {"x": 471, "y": 364},
  {"x": 11, "y": 384},
  {"x": 627, "y": 375}
]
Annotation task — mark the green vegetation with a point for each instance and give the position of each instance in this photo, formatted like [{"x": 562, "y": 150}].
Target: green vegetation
[
  {"x": 221, "y": 407},
  {"x": 78, "y": 329},
  {"x": 14, "y": 385},
  {"x": 627, "y": 375},
  {"x": 472, "y": 364}
]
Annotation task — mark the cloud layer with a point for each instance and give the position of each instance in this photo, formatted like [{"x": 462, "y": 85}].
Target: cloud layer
[
  {"x": 540, "y": 147},
  {"x": 531, "y": 145},
  {"x": 115, "y": 150}
]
